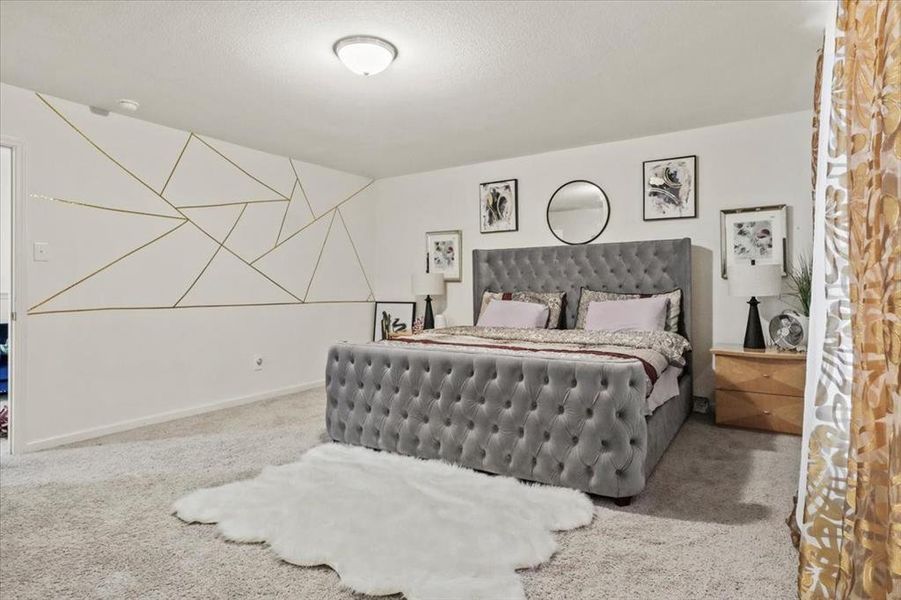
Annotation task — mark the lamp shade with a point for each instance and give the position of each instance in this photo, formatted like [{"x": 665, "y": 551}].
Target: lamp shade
[
  {"x": 428, "y": 284},
  {"x": 747, "y": 280}
]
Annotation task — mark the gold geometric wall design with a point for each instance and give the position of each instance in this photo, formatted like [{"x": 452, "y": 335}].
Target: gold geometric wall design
[
  {"x": 297, "y": 215},
  {"x": 256, "y": 230},
  {"x": 204, "y": 176},
  {"x": 234, "y": 241}
]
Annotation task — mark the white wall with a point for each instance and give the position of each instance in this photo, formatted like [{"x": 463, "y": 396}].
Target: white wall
[
  {"x": 749, "y": 163},
  {"x": 139, "y": 314}
]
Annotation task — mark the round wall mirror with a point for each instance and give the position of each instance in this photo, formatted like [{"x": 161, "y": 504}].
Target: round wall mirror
[{"x": 578, "y": 212}]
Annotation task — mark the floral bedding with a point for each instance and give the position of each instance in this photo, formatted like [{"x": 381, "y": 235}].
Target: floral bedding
[{"x": 655, "y": 350}]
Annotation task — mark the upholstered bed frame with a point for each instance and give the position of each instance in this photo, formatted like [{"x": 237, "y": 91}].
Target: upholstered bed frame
[{"x": 561, "y": 421}]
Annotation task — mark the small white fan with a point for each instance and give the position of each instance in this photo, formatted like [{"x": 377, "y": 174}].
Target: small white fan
[{"x": 788, "y": 330}]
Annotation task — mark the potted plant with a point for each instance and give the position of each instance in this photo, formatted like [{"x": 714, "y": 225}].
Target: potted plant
[
  {"x": 789, "y": 330},
  {"x": 799, "y": 283}
]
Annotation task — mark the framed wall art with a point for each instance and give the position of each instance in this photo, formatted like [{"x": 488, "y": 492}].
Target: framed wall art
[
  {"x": 498, "y": 206},
  {"x": 670, "y": 188},
  {"x": 392, "y": 318},
  {"x": 444, "y": 253},
  {"x": 759, "y": 234}
]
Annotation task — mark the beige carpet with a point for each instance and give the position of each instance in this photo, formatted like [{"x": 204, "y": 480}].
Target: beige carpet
[{"x": 93, "y": 521}]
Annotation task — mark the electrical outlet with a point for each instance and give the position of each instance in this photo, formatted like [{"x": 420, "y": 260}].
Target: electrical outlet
[{"x": 257, "y": 362}]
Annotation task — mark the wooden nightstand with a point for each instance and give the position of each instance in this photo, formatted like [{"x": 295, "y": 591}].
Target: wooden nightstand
[{"x": 760, "y": 389}]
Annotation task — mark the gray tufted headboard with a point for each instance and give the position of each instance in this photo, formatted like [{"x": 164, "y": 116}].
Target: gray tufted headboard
[{"x": 628, "y": 267}]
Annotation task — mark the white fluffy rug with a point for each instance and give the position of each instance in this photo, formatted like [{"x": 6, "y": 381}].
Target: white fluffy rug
[{"x": 389, "y": 523}]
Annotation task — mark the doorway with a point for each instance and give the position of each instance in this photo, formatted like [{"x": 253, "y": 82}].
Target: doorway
[
  {"x": 6, "y": 200},
  {"x": 12, "y": 158}
]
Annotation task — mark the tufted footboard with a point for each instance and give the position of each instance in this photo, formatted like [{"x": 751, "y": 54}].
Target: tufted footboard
[{"x": 574, "y": 423}]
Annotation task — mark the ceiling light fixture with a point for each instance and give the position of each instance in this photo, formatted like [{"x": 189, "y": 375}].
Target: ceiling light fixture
[{"x": 364, "y": 54}]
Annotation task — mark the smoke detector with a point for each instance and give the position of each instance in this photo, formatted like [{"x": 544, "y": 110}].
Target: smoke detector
[{"x": 128, "y": 105}]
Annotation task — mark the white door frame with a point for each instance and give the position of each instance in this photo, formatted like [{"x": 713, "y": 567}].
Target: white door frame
[{"x": 18, "y": 405}]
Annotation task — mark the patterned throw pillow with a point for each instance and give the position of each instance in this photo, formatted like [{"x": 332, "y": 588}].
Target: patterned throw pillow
[
  {"x": 553, "y": 300},
  {"x": 672, "y": 313}
]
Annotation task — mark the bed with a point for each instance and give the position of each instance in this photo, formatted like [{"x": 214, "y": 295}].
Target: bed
[{"x": 552, "y": 417}]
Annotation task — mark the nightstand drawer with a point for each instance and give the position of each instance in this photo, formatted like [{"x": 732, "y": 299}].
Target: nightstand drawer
[
  {"x": 751, "y": 374},
  {"x": 760, "y": 411}
]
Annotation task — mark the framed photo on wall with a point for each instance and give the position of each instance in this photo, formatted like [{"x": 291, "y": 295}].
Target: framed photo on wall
[
  {"x": 498, "y": 206},
  {"x": 759, "y": 234},
  {"x": 392, "y": 318},
  {"x": 444, "y": 253},
  {"x": 670, "y": 188}
]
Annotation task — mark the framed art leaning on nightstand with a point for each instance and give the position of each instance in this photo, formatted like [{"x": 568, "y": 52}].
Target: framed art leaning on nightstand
[{"x": 392, "y": 319}]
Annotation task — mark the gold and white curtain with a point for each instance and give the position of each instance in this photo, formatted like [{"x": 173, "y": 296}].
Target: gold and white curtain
[{"x": 850, "y": 492}]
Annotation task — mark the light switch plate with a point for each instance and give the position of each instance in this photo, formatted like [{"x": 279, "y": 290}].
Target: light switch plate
[{"x": 41, "y": 252}]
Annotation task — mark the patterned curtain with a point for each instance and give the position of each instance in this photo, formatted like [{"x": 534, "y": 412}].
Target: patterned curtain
[{"x": 851, "y": 520}]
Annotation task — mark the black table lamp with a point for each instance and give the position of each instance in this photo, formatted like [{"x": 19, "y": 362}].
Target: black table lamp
[
  {"x": 428, "y": 285},
  {"x": 750, "y": 279}
]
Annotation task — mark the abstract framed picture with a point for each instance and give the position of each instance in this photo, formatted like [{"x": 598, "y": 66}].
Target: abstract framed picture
[
  {"x": 670, "y": 188},
  {"x": 392, "y": 318},
  {"x": 757, "y": 234},
  {"x": 498, "y": 206},
  {"x": 444, "y": 253}
]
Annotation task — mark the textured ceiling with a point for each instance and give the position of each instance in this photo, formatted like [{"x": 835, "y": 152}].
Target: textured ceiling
[{"x": 472, "y": 82}]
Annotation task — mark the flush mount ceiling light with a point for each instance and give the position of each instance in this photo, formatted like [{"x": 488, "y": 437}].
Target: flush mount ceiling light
[{"x": 364, "y": 54}]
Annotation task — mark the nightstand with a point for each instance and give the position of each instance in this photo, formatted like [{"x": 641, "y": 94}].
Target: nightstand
[{"x": 760, "y": 389}]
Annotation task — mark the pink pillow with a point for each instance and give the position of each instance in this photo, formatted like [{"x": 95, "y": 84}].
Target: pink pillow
[
  {"x": 510, "y": 313},
  {"x": 621, "y": 315}
]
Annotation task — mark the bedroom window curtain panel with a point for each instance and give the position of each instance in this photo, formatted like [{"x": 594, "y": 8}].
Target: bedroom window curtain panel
[{"x": 850, "y": 485}]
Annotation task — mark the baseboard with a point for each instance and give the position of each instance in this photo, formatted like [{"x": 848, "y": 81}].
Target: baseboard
[{"x": 95, "y": 432}]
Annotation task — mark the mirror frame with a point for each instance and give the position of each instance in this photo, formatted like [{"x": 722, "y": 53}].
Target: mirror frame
[{"x": 547, "y": 214}]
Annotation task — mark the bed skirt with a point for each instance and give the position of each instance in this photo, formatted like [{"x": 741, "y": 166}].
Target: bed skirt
[{"x": 574, "y": 423}]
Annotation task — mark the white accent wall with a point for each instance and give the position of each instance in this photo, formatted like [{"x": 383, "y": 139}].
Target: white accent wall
[
  {"x": 173, "y": 261},
  {"x": 749, "y": 163}
]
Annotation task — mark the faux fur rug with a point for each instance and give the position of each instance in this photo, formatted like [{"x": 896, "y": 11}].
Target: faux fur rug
[{"x": 393, "y": 524}]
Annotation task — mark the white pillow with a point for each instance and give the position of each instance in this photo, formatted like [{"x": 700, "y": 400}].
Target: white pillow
[
  {"x": 623, "y": 315},
  {"x": 510, "y": 313}
]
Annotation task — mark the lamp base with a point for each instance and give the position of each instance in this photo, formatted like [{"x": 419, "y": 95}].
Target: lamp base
[
  {"x": 754, "y": 339},
  {"x": 428, "y": 322}
]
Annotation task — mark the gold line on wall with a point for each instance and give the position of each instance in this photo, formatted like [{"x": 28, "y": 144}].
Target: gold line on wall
[
  {"x": 103, "y": 268},
  {"x": 352, "y": 196},
  {"x": 104, "y": 152},
  {"x": 261, "y": 256},
  {"x": 231, "y": 203},
  {"x": 237, "y": 166},
  {"x": 318, "y": 258},
  {"x": 303, "y": 191},
  {"x": 186, "y": 219},
  {"x": 233, "y": 253},
  {"x": 177, "y": 160},
  {"x": 99, "y": 207},
  {"x": 336, "y": 207},
  {"x": 285, "y": 214},
  {"x": 339, "y": 302},
  {"x": 221, "y": 244},
  {"x": 189, "y": 306},
  {"x": 357, "y": 254}
]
